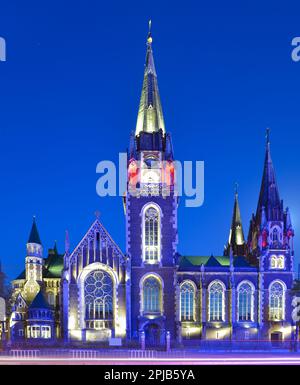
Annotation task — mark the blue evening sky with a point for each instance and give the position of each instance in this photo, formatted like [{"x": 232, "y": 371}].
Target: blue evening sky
[{"x": 69, "y": 94}]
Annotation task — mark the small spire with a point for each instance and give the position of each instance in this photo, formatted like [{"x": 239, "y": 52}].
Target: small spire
[
  {"x": 55, "y": 247},
  {"x": 34, "y": 234},
  {"x": 288, "y": 219},
  {"x": 97, "y": 214},
  {"x": 236, "y": 241},
  {"x": 263, "y": 217}
]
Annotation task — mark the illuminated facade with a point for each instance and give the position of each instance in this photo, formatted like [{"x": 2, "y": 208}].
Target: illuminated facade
[{"x": 97, "y": 293}]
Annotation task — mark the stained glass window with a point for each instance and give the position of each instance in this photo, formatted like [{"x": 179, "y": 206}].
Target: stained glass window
[
  {"x": 151, "y": 235},
  {"x": 152, "y": 295},
  {"x": 216, "y": 302},
  {"x": 98, "y": 295},
  {"x": 245, "y": 302},
  {"x": 187, "y": 301},
  {"x": 276, "y": 301}
]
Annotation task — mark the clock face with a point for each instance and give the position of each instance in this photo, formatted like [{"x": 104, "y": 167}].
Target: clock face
[{"x": 150, "y": 176}]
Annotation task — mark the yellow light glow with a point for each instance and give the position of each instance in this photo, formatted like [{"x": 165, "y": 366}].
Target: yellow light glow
[{"x": 72, "y": 322}]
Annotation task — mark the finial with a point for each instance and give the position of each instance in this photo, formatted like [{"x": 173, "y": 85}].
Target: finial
[
  {"x": 97, "y": 214},
  {"x": 268, "y": 135},
  {"x": 236, "y": 188},
  {"x": 149, "y": 38}
]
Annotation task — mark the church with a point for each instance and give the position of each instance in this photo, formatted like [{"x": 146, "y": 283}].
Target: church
[{"x": 149, "y": 293}]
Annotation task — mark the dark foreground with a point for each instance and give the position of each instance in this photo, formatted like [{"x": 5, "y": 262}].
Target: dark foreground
[{"x": 195, "y": 359}]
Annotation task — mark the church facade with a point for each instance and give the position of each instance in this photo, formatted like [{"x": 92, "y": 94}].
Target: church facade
[{"x": 150, "y": 293}]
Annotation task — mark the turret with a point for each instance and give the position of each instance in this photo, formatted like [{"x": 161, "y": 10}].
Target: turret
[
  {"x": 236, "y": 245},
  {"x": 34, "y": 256}
]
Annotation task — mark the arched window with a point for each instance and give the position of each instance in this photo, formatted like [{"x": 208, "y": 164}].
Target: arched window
[
  {"x": 245, "y": 301},
  {"x": 152, "y": 295},
  {"x": 216, "y": 301},
  {"x": 277, "y": 262},
  {"x": 275, "y": 235},
  {"x": 276, "y": 301},
  {"x": 187, "y": 301},
  {"x": 51, "y": 298},
  {"x": 151, "y": 235},
  {"x": 98, "y": 296}
]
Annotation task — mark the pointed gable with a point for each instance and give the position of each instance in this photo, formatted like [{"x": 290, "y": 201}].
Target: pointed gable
[
  {"x": 96, "y": 246},
  {"x": 212, "y": 262},
  {"x": 20, "y": 302},
  {"x": 39, "y": 302}
]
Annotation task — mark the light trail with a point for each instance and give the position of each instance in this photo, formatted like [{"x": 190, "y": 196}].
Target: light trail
[{"x": 213, "y": 360}]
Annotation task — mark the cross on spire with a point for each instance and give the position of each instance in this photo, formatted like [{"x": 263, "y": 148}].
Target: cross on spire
[
  {"x": 97, "y": 214},
  {"x": 268, "y": 135},
  {"x": 236, "y": 188}
]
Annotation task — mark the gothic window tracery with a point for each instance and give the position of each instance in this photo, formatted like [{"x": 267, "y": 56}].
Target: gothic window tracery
[
  {"x": 245, "y": 302},
  {"x": 277, "y": 262},
  {"x": 152, "y": 295},
  {"x": 276, "y": 301},
  {"x": 151, "y": 247},
  {"x": 187, "y": 301},
  {"x": 98, "y": 295},
  {"x": 216, "y": 302}
]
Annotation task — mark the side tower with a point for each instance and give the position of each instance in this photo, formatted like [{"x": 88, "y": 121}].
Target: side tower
[
  {"x": 271, "y": 248},
  {"x": 151, "y": 219},
  {"x": 33, "y": 264}
]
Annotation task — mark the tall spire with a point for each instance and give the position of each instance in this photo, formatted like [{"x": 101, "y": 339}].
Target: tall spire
[
  {"x": 269, "y": 199},
  {"x": 150, "y": 116},
  {"x": 236, "y": 242},
  {"x": 34, "y": 234}
]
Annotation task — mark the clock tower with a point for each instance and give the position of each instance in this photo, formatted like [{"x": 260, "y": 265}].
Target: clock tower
[{"x": 151, "y": 220}]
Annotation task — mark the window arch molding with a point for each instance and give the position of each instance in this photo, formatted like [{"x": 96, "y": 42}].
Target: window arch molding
[
  {"x": 151, "y": 257},
  {"x": 192, "y": 283},
  {"x": 161, "y": 282},
  {"x": 276, "y": 310},
  {"x": 252, "y": 287},
  {"x": 81, "y": 280},
  {"x": 214, "y": 308}
]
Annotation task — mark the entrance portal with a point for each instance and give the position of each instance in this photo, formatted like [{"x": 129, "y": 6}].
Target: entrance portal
[
  {"x": 152, "y": 335},
  {"x": 276, "y": 339}
]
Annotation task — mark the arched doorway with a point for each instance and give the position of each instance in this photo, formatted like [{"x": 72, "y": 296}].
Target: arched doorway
[
  {"x": 276, "y": 339},
  {"x": 152, "y": 334}
]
